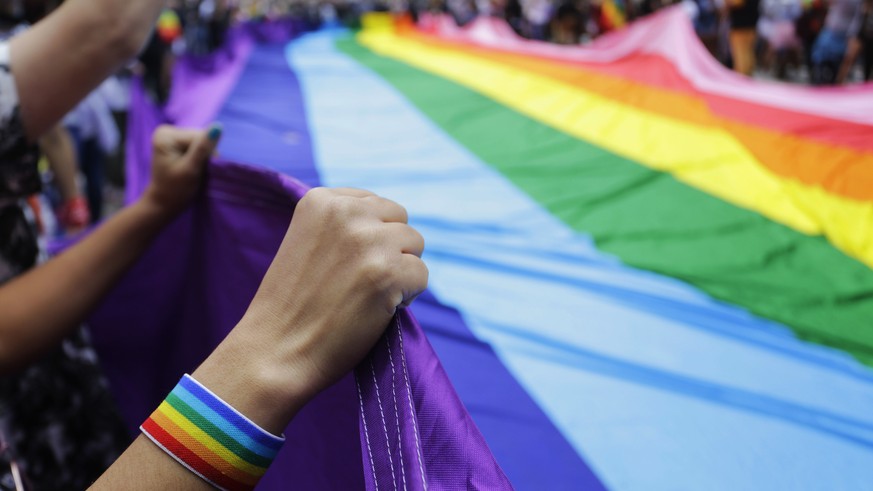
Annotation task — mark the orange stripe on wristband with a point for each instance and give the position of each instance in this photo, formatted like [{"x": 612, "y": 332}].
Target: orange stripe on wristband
[{"x": 210, "y": 438}]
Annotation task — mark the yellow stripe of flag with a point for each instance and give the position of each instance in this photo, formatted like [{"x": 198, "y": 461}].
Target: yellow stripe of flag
[{"x": 707, "y": 158}]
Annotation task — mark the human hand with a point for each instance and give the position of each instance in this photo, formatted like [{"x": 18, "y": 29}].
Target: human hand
[
  {"x": 347, "y": 262},
  {"x": 178, "y": 162},
  {"x": 74, "y": 215}
]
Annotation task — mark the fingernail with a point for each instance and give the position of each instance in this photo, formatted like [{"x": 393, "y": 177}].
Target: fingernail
[{"x": 214, "y": 131}]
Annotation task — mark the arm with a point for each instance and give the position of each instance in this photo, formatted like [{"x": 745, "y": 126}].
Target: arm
[
  {"x": 61, "y": 154},
  {"x": 42, "y": 306},
  {"x": 297, "y": 339},
  {"x": 59, "y": 149},
  {"x": 852, "y": 51},
  {"x": 66, "y": 55}
]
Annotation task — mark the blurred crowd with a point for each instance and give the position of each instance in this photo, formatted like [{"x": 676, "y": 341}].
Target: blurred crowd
[
  {"x": 76, "y": 152},
  {"x": 819, "y": 42},
  {"x": 822, "y": 42}
]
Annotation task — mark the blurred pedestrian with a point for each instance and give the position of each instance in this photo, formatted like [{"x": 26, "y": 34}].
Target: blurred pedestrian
[
  {"x": 744, "y": 23},
  {"x": 777, "y": 29},
  {"x": 831, "y": 56}
]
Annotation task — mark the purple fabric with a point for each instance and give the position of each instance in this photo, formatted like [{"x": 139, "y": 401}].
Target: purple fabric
[
  {"x": 274, "y": 30},
  {"x": 397, "y": 419},
  {"x": 417, "y": 420},
  {"x": 223, "y": 68},
  {"x": 188, "y": 292}
]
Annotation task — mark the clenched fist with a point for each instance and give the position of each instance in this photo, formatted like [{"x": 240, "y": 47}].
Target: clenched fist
[
  {"x": 178, "y": 163},
  {"x": 348, "y": 261}
]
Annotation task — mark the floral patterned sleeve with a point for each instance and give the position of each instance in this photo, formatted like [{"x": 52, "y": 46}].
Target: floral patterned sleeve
[
  {"x": 59, "y": 428},
  {"x": 19, "y": 176}
]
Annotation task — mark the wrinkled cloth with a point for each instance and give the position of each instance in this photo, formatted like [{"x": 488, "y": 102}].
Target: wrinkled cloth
[{"x": 396, "y": 421}]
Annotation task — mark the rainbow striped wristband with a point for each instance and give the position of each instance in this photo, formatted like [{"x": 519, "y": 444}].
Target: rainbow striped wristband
[{"x": 210, "y": 438}]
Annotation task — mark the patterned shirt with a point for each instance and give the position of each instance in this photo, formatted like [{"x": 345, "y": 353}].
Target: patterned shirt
[{"x": 59, "y": 429}]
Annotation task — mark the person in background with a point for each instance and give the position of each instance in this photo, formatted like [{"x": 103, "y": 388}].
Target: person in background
[
  {"x": 463, "y": 11},
  {"x": 860, "y": 44},
  {"x": 59, "y": 429},
  {"x": 777, "y": 29},
  {"x": 831, "y": 56},
  {"x": 808, "y": 27},
  {"x": 865, "y": 40},
  {"x": 707, "y": 16},
  {"x": 57, "y": 146},
  {"x": 648, "y": 7},
  {"x": 513, "y": 15},
  {"x": 567, "y": 24},
  {"x": 97, "y": 136},
  {"x": 219, "y": 23},
  {"x": 484, "y": 8},
  {"x": 156, "y": 59},
  {"x": 58, "y": 425},
  {"x": 73, "y": 213},
  {"x": 744, "y": 22},
  {"x": 536, "y": 15}
]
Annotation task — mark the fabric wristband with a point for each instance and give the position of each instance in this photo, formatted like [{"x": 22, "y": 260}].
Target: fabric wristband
[{"x": 210, "y": 438}]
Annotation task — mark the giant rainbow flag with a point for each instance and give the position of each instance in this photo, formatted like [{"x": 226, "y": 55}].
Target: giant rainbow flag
[{"x": 647, "y": 272}]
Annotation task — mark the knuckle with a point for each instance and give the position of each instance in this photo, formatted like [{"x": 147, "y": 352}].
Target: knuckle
[
  {"x": 424, "y": 273},
  {"x": 402, "y": 211},
  {"x": 418, "y": 275},
  {"x": 373, "y": 239},
  {"x": 395, "y": 206},
  {"x": 418, "y": 238},
  {"x": 361, "y": 237},
  {"x": 377, "y": 272},
  {"x": 162, "y": 133},
  {"x": 372, "y": 202},
  {"x": 317, "y": 194},
  {"x": 341, "y": 208},
  {"x": 314, "y": 198},
  {"x": 425, "y": 277}
]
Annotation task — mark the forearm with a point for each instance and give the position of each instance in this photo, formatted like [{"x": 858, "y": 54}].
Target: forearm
[
  {"x": 57, "y": 145},
  {"x": 40, "y": 307},
  {"x": 144, "y": 466},
  {"x": 68, "y": 54},
  {"x": 294, "y": 341},
  {"x": 266, "y": 392}
]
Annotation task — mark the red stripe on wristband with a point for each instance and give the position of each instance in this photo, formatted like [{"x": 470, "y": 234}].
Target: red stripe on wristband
[{"x": 189, "y": 459}]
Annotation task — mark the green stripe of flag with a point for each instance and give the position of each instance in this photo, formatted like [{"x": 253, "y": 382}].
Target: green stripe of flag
[{"x": 652, "y": 221}]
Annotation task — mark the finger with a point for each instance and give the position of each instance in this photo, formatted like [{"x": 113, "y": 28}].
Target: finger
[
  {"x": 203, "y": 146},
  {"x": 171, "y": 137},
  {"x": 386, "y": 210},
  {"x": 413, "y": 278},
  {"x": 409, "y": 240},
  {"x": 353, "y": 192}
]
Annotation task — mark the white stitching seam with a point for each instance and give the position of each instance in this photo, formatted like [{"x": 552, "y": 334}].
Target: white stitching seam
[
  {"x": 409, "y": 398},
  {"x": 384, "y": 425},
  {"x": 366, "y": 433},
  {"x": 396, "y": 413}
]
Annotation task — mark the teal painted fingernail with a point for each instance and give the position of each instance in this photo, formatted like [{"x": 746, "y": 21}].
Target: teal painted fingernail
[{"x": 214, "y": 131}]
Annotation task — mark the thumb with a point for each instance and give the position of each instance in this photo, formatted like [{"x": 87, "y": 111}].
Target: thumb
[{"x": 203, "y": 146}]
